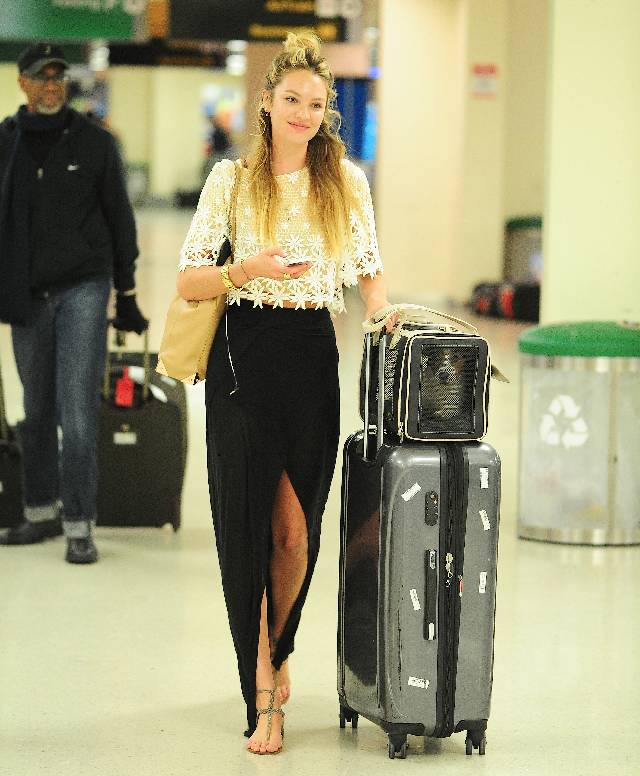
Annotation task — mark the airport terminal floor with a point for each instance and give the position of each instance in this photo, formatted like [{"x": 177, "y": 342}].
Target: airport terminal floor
[{"x": 126, "y": 667}]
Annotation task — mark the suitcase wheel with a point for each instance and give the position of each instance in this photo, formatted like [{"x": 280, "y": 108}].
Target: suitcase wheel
[
  {"x": 346, "y": 715},
  {"x": 470, "y": 744},
  {"x": 397, "y": 747}
]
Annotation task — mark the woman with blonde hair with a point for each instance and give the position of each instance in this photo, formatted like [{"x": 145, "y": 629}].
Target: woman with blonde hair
[{"x": 304, "y": 228}]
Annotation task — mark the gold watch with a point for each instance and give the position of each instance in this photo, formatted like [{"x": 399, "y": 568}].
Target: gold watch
[{"x": 228, "y": 283}]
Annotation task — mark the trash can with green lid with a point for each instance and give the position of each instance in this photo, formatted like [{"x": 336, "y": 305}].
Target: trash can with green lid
[
  {"x": 579, "y": 471},
  {"x": 523, "y": 249}
]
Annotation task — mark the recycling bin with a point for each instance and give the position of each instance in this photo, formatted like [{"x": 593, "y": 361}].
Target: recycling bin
[{"x": 579, "y": 469}]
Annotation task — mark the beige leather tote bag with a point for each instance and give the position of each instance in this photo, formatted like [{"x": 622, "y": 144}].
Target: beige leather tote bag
[{"x": 190, "y": 326}]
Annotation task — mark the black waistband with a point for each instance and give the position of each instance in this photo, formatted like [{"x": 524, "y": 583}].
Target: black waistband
[{"x": 245, "y": 314}]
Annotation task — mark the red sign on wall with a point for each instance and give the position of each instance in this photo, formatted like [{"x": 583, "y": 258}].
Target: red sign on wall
[{"x": 484, "y": 80}]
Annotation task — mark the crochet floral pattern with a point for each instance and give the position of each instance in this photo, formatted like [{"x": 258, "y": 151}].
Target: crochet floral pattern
[{"x": 296, "y": 231}]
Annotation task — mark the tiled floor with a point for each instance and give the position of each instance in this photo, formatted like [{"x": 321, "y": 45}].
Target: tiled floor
[{"x": 126, "y": 668}]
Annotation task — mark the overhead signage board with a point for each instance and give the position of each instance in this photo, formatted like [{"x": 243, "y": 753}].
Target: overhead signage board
[
  {"x": 70, "y": 19},
  {"x": 254, "y": 20},
  {"x": 167, "y": 53}
]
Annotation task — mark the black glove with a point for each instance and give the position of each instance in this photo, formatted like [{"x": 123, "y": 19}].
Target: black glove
[{"x": 128, "y": 315}]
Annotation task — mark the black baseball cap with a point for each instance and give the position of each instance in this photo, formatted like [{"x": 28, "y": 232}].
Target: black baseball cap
[{"x": 34, "y": 58}]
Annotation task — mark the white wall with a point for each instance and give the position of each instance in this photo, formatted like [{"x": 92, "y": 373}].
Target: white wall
[
  {"x": 479, "y": 222},
  {"x": 526, "y": 75},
  {"x": 10, "y": 95},
  {"x": 130, "y": 110},
  {"x": 418, "y": 144},
  {"x": 441, "y": 149},
  {"x": 592, "y": 239},
  {"x": 157, "y": 113}
]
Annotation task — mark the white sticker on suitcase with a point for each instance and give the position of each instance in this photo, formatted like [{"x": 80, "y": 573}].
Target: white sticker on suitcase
[
  {"x": 485, "y": 520},
  {"x": 413, "y": 490},
  {"x": 125, "y": 438},
  {"x": 414, "y": 599},
  {"x": 415, "y": 681},
  {"x": 484, "y": 477},
  {"x": 483, "y": 582}
]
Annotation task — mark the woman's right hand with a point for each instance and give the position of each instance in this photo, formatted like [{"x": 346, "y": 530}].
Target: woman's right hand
[{"x": 272, "y": 263}]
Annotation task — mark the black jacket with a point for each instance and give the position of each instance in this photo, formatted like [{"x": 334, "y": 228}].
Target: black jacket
[{"x": 81, "y": 223}]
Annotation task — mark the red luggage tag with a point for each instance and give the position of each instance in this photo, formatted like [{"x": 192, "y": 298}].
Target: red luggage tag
[{"x": 123, "y": 396}]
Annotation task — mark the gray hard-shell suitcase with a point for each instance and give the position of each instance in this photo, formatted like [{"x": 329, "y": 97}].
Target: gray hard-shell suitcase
[{"x": 418, "y": 555}]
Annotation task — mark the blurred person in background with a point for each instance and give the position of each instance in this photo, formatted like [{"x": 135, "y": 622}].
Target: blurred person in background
[
  {"x": 219, "y": 143},
  {"x": 67, "y": 234}
]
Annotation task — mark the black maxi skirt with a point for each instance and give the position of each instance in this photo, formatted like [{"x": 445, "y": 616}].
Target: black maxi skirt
[{"x": 278, "y": 412}]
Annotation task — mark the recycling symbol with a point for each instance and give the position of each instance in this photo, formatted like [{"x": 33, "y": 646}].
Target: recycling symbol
[{"x": 563, "y": 424}]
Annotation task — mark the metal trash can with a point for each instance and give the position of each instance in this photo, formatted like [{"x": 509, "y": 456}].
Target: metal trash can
[
  {"x": 579, "y": 472},
  {"x": 523, "y": 250}
]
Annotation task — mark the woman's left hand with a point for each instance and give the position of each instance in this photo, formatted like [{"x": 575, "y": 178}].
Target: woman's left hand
[
  {"x": 391, "y": 320},
  {"x": 373, "y": 291}
]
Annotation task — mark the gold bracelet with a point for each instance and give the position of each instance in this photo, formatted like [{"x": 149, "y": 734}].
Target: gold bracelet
[
  {"x": 246, "y": 274},
  {"x": 228, "y": 283}
]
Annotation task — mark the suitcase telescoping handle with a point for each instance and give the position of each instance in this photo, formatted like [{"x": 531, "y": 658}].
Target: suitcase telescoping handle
[
  {"x": 367, "y": 390},
  {"x": 382, "y": 344},
  {"x": 4, "y": 426},
  {"x": 120, "y": 340}
]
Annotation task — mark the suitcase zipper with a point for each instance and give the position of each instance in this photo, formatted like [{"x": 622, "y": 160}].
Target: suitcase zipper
[{"x": 453, "y": 482}]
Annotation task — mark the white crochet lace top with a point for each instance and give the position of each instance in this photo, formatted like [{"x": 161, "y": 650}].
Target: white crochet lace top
[{"x": 297, "y": 231}]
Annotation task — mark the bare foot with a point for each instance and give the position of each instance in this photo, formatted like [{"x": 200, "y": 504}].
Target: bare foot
[
  {"x": 265, "y": 740},
  {"x": 283, "y": 682}
]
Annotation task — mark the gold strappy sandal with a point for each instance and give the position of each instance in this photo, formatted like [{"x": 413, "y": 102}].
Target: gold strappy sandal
[{"x": 270, "y": 711}]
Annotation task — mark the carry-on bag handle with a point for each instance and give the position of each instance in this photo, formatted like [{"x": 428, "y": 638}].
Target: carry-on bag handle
[
  {"x": 416, "y": 313},
  {"x": 412, "y": 313},
  {"x": 120, "y": 340}
]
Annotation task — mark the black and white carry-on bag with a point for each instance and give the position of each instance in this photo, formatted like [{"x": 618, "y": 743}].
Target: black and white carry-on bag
[
  {"x": 418, "y": 558},
  {"x": 435, "y": 378}
]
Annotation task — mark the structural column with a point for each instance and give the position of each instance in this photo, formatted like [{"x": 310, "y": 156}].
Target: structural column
[
  {"x": 440, "y": 157},
  {"x": 592, "y": 202}
]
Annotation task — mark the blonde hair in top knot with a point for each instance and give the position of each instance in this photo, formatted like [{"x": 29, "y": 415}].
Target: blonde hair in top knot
[
  {"x": 297, "y": 44},
  {"x": 330, "y": 195}
]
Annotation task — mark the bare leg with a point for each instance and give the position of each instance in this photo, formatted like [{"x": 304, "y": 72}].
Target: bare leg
[
  {"x": 288, "y": 567},
  {"x": 288, "y": 570},
  {"x": 283, "y": 682},
  {"x": 260, "y": 743}
]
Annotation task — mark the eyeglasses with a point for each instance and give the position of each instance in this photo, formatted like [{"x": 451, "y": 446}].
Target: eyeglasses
[{"x": 59, "y": 78}]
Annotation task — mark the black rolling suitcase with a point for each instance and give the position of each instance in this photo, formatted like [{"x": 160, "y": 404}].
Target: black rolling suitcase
[
  {"x": 141, "y": 448},
  {"x": 519, "y": 301},
  {"x": 418, "y": 555},
  {"x": 515, "y": 301},
  {"x": 11, "y": 494}
]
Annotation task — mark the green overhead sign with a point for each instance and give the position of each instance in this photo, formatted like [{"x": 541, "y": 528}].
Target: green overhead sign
[{"x": 70, "y": 19}]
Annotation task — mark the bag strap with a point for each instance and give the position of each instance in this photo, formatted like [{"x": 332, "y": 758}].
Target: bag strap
[
  {"x": 234, "y": 202},
  {"x": 412, "y": 313}
]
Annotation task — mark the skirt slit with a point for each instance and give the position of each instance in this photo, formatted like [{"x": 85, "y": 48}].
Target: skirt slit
[{"x": 283, "y": 417}]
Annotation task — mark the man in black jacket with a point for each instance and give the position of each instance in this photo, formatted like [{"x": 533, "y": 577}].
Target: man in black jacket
[{"x": 67, "y": 233}]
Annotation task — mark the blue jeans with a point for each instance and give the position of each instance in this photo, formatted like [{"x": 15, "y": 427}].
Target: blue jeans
[{"x": 60, "y": 357}]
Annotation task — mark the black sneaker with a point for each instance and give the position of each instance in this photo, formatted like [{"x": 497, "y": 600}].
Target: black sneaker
[
  {"x": 32, "y": 533},
  {"x": 81, "y": 551}
]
